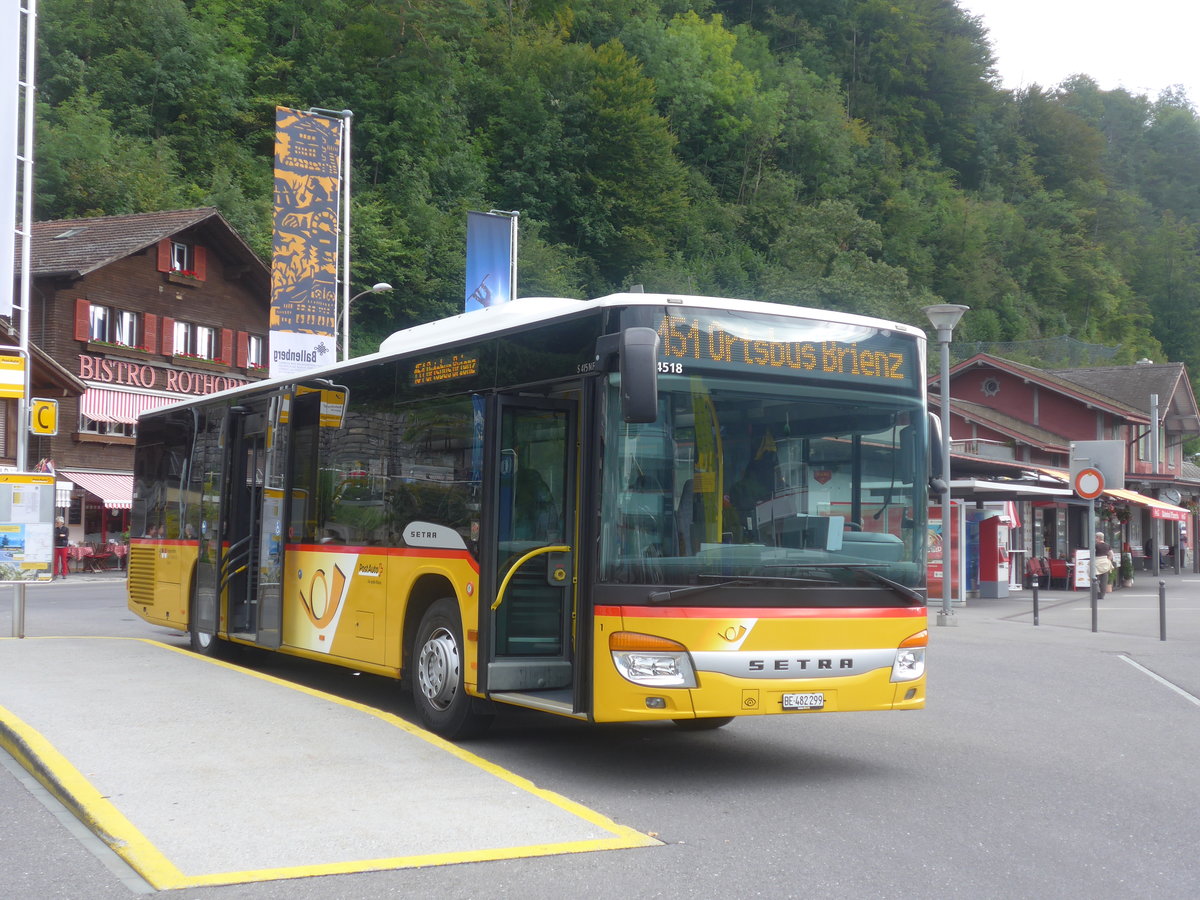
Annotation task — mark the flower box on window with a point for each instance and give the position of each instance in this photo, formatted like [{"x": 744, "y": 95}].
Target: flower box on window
[
  {"x": 199, "y": 362},
  {"x": 112, "y": 345},
  {"x": 184, "y": 276}
]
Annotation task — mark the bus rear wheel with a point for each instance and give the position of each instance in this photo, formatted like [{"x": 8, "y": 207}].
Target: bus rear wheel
[
  {"x": 707, "y": 724},
  {"x": 438, "y": 689}
]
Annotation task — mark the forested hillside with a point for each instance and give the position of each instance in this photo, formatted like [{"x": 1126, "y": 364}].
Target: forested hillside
[{"x": 851, "y": 154}]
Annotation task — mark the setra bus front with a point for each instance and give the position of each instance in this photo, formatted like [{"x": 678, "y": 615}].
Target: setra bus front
[{"x": 764, "y": 536}]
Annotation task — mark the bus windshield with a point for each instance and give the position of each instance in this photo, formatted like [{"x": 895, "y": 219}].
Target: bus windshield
[{"x": 765, "y": 482}]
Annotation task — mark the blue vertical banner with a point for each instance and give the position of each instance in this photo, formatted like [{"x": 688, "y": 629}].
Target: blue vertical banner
[
  {"x": 491, "y": 259},
  {"x": 304, "y": 264}
]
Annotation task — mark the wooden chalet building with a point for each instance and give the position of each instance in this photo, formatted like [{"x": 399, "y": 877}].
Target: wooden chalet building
[
  {"x": 139, "y": 311},
  {"x": 1006, "y": 416}
]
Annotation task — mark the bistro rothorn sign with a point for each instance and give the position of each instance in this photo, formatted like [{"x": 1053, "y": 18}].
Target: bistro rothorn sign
[{"x": 134, "y": 374}]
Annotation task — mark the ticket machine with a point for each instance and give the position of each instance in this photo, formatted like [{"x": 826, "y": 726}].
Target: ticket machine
[{"x": 993, "y": 556}]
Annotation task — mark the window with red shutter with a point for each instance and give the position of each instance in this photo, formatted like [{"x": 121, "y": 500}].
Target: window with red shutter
[
  {"x": 150, "y": 332},
  {"x": 83, "y": 319}
]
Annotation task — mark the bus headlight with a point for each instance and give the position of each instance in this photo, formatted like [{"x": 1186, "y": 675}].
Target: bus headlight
[
  {"x": 910, "y": 658},
  {"x": 651, "y": 661}
]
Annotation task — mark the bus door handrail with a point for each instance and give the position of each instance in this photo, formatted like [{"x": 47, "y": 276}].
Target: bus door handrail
[
  {"x": 242, "y": 562},
  {"x": 536, "y": 551}
]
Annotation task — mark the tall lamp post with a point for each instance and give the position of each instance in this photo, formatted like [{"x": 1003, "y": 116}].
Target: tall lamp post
[
  {"x": 943, "y": 317},
  {"x": 374, "y": 289}
]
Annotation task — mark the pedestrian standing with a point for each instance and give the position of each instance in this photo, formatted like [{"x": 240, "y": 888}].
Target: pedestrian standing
[
  {"x": 1102, "y": 563},
  {"x": 61, "y": 542}
]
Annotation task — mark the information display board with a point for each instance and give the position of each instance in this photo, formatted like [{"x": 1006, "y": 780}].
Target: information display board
[
  {"x": 26, "y": 527},
  {"x": 1081, "y": 575}
]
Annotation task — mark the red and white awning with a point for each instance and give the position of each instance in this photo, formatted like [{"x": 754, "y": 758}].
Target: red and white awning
[
  {"x": 104, "y": 405},
  {"x": 114, "y": 489},
  {"x": 1159, "y": 509}
]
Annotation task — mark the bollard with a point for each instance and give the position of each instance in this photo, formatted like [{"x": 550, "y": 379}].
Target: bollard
[
  {"x": 1095, "y": 604},
  {"x": 1035, "y": 600},
  {"x": 1162, "y": 610}
]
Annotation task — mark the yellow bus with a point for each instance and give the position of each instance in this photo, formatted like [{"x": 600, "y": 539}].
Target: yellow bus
[{"x": 644, "y": 507}]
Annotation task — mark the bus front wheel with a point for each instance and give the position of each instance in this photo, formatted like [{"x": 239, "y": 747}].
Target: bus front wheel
[
  {"x": 438, "y": 691},
  {"x": 201, "y": 642}
]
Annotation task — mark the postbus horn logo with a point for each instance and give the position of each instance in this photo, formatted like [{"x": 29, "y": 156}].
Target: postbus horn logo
[{"x": 321, "y": 604}]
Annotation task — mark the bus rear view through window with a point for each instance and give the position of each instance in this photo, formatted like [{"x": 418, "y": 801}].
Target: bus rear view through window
[{"x": 638, "y": 508}]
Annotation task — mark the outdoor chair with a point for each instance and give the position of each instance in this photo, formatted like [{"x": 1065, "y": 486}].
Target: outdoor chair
[{"x": 1059, "y": 572}]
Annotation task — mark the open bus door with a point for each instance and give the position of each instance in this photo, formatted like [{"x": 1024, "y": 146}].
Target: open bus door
[
  {"x": 240, "y": 516},
  {"x": 245, "y": 566},
  {"x": 530, "y": 566}
]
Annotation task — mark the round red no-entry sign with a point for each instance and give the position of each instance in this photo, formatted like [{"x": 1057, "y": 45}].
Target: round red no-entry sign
[{"x": 1089, "y": 483}]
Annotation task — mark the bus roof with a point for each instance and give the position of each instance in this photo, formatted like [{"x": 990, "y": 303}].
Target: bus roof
[{"x": 527, "y": 311}]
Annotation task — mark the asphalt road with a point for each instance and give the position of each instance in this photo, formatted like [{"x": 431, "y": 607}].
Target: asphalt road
[{"x": 1050, "y": 762}]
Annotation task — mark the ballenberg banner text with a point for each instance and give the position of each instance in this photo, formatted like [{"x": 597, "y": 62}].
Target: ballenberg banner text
[{"x": 304, "y": 264}]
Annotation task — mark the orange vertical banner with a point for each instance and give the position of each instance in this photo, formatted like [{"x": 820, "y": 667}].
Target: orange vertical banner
[{"x": 304, "y": 262}]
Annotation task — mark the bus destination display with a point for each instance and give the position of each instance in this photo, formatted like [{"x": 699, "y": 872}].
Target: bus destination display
[
  {"x": 822, "y": 349},
  {"x": 445, "y": 368}
]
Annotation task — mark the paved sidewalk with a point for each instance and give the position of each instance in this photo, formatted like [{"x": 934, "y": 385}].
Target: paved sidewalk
[
  {"x": 233, "y": 783},
  {"x": 1133, "y": 610}
]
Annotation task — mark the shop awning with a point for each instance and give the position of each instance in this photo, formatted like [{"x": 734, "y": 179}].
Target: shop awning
[
  {"x": 115, "y": 490},
  {"x": 1159, "y": 509},
  {"x": 103, "y": 405}
]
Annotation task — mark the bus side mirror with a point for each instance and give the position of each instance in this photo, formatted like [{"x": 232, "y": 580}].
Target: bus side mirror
[
  {"x": 639, "y": 375},
  {"x": 937, "y": 485}
]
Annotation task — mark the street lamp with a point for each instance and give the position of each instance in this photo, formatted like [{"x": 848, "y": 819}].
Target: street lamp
[
  {"x": 943, "y": 317},
  {"x": 374, "y": 289}
]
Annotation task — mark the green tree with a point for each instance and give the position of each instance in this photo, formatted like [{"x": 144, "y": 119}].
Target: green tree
[
  {"x": 87, "y": 168},
  {"x": 1169, "y": 280}
]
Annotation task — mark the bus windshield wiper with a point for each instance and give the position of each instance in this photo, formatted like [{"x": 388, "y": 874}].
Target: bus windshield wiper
[
  {"x": 865, "y": 569},
  {"x": 666, "y": 596}
]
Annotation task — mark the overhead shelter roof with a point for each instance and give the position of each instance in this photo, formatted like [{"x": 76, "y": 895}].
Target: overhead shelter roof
[
  {"x": 974, "y": 478},
  {"x": 977, "y": 489}
]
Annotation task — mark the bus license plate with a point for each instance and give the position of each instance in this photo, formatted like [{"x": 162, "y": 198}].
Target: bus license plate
[{"x": 803, "y": 701}]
